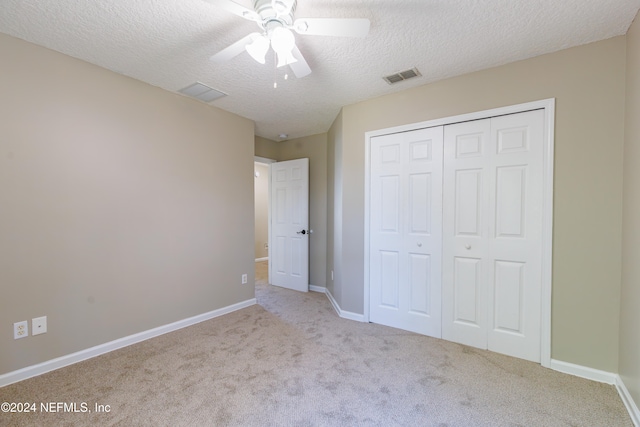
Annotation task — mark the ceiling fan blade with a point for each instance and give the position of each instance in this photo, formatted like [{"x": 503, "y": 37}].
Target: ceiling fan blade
[
  {"x": 236, "y": 9},
  {"x": 235, "y": 49},
  {"x": 349, "y": 27},
  {"x": 300, "y": 68}
]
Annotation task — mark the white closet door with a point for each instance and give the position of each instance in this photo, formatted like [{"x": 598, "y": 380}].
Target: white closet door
[
  {"x": 515, "y": 255},
  {"x": 492, "y": 234},
  {"x": 465, "y": 246},
  {"x": 406, "y": 230}
]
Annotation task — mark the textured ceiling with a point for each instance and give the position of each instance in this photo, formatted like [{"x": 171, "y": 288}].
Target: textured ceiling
[{"x": 167, "y": 43}]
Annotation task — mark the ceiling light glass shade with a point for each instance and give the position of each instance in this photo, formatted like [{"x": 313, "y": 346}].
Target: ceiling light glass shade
[
  {"x": 282, "y": 40},
  {"x": 258, "y": 49},
  {"x": 287, "y": 58}
]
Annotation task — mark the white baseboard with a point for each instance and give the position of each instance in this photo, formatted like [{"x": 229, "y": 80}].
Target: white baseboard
[
  {"x": 320, "y": 289},
  {"x": 342, "y": 313},
  {"x": 69, "y": 359},
  {"x": 262, "y": 259},
  {"x": 602, "y": 377},
  {"x": 583, "y": 372},
  {"x": 628, "y": 401}
]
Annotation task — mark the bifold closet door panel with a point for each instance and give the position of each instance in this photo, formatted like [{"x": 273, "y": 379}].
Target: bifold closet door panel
[
  {"x": 492, "y": 225},
  {"x": 515, "y": 250},
  {"x": 406, "y": 230},
  {"x": 466, "y": 232}
]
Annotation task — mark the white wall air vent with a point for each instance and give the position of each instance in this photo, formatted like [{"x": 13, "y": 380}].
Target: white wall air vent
[
  {"x": 402, "y": 75},
  {"x": 202, "y": 92}
]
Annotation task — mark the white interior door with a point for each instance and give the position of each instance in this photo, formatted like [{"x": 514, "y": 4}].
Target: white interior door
[
  {"x": 515, "y": 251},
  {"x": 492, "y": 227},
  {"x": 289, "y": 254},
  {"x": 405, "y": 230},
  {"x": 465, "y": 232}
]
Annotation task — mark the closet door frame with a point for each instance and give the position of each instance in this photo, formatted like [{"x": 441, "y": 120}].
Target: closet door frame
[{"x": 548, "y": 105}]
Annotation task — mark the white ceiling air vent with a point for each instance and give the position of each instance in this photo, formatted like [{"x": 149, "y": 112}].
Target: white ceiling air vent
[
  {"x": 202, "y": 92},
  {"x": 402, "y": 75}
]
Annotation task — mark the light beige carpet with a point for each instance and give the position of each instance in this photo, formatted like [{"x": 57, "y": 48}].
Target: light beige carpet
[{"x": 291, "y": 361}]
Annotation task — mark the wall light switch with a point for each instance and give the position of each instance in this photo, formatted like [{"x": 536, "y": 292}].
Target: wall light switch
[{"x": 39, "y": 325}]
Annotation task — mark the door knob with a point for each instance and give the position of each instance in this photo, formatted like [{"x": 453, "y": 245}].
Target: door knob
[
  {"x": 467, "y": 246},
  {"x": 302, "y": 232},
  {"x": 419, "y": 245}
]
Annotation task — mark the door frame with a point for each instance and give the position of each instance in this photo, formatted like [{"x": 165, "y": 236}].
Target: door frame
[
  {"x": 267, "y": 161},
  {"x": 548, "y": 105}
]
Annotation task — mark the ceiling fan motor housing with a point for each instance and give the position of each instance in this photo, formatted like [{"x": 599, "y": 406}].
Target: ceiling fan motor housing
[{"x": 275, "y": 12}]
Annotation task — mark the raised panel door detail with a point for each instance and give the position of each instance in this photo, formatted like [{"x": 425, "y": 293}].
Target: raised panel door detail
[
  {"x": 510, "y": 201},
  {"x": 389, "y": 275},
  {"x": 468, "y": 146},
  {"x": 296, "y": 208},
  {"x": 420, "y": 151},
  {"x": 390, "y": 154},
  {"x": 420, "y": 283},
  {"x": 466, "y": 282},
  {"x": 389, "y": 204},
  {"x": 296, "y": 174},
  {"x": 513, "y": 140},
  {"x": 281, "y": 206},
  {"x": 281, "y": 254},
  {"x": 468, "y": 194},
  {"x": 420, "y": 203},
  {"x": 296, "y": 250},
  {"x": 281, "y": 175},
  {"x": 508, "y": 296}
]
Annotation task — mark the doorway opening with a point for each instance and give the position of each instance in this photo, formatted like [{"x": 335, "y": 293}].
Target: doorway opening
[{"x": 261, "y": 203}]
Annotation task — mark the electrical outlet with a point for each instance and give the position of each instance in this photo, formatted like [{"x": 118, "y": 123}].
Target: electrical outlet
[
  {"x": 39, "y": 325},
  {"x": 244, "y": 279},
  {"x": 20, "y": 330}
]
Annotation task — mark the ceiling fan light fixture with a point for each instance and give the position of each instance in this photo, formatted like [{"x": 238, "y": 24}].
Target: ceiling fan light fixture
[
  {"x": 258, "y": 49},
  {"x": 282, "y": 40},
  {"x": 286, "y": 59}
]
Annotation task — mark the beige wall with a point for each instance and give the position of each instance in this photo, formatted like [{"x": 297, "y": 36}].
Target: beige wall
[
  {"x": 261, "y": 197},
  {"x": 588, "y": 83},
  {"x": 314, "y": 148},
  {"x": 266, "y": 148},
  {"x": 630, "y": 298},
  {"x": 123, "y": 207}
]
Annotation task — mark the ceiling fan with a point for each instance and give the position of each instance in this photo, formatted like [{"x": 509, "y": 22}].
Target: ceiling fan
[{"x": 276, "y": 21}]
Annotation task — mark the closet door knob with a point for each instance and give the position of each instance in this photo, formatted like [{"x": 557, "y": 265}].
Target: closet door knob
[
  {"x": 467, "y": 246},
  {"x": 419, "y": 245}
]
